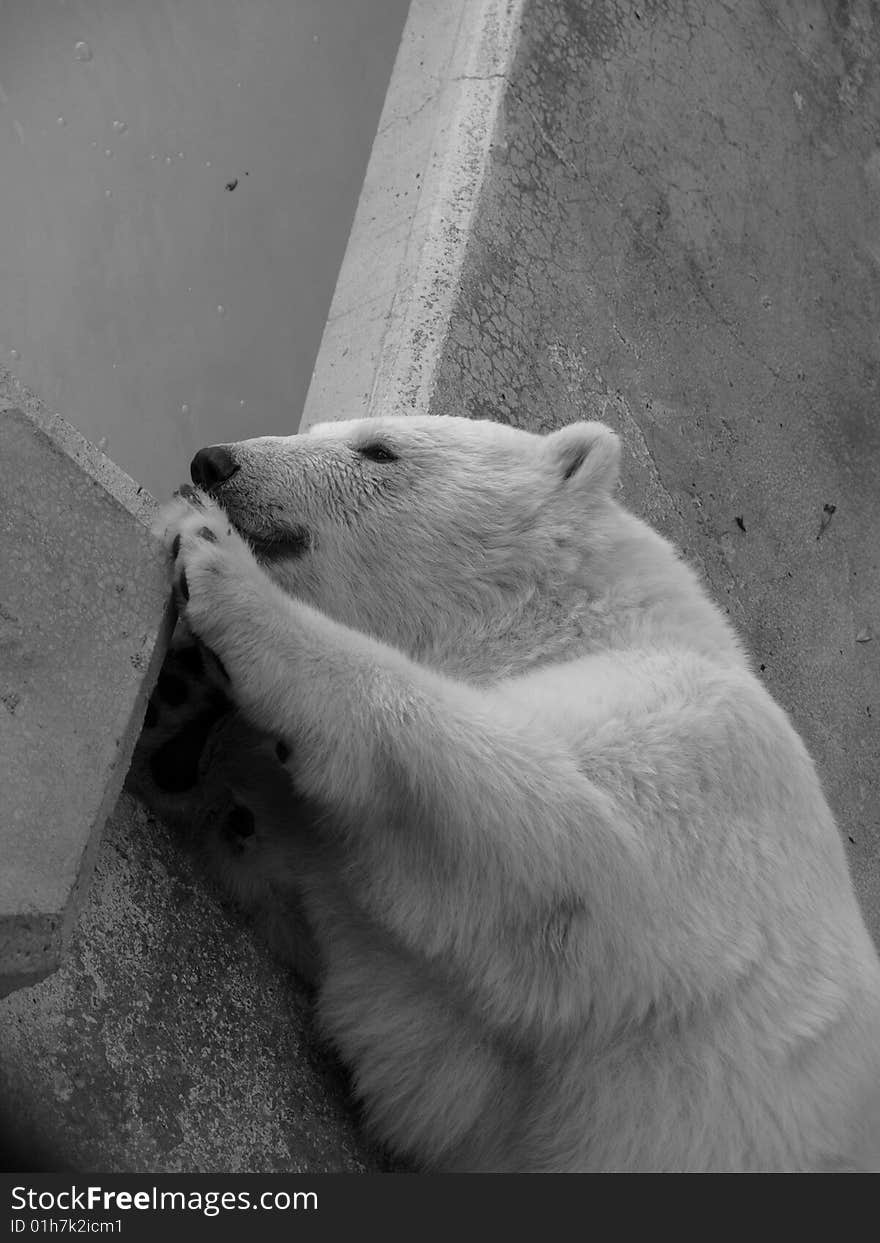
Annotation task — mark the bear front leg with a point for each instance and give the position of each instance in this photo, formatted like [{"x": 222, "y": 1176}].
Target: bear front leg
[{"x": 478, "y": 843}]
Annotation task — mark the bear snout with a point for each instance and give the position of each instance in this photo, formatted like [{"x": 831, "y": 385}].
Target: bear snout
[{"x": 212, "y": 466}]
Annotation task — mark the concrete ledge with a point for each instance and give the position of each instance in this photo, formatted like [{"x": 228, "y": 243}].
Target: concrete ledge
[
  {"x": 112, "y": 478},
  {"x": 84, "y": 620},
  {"x": 401, "y": 273}
]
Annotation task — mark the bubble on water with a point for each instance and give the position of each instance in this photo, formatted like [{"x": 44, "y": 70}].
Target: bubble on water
[
  {"x": 103, "y": 443},
  {"x": 14, "y": 355},
  {"x": 180, "y": 155},
  {"x": 221, "y": 310},
  {"x": 82, "y": 51},
  {"x": 184, "y": 409},
  {"x": 167, "y": 159},
  {"x": 207, "y": 163},
  {"x": 60, "y": 121},
  {"x": 120, "y": 127},
  {"x": 108, "y": 152}
]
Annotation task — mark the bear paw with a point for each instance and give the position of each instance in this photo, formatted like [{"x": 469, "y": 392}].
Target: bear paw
[
  {"x": 186, "y": 708},
  {"x": 214, "y": 573},
  {"x": 218, "y": 783}
]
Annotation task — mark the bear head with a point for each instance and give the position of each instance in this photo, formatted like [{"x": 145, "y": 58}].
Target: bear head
[{"x": 406, "y": 526}]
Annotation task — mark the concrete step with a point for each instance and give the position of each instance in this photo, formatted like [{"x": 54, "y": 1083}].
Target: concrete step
[{"x": 85, "y": 615}]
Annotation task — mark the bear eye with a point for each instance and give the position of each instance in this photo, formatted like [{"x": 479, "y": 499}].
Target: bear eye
[{"x": 377, "y": 453}]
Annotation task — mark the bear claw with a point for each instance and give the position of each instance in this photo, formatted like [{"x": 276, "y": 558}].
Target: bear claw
[{"x": 188, "y": 492}]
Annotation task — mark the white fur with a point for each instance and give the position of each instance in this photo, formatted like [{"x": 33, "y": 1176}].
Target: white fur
[{"x": 578, "y": 898}]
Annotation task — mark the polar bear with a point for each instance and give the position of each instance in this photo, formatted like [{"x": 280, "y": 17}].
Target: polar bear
[{"x": 562, "y": 870}]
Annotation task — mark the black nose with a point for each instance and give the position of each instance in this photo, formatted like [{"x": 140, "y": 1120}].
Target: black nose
[{"x": 212, "y": 466}]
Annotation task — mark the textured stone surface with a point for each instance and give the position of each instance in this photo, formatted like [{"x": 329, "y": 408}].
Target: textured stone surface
[
  {"x": 168, "y": 1041},
  {"x": 84, "y": 607},
  {"x": 680, "y": 234}
]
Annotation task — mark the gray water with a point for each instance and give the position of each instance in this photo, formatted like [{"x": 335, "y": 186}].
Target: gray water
[{"x": 177, "y": 183}]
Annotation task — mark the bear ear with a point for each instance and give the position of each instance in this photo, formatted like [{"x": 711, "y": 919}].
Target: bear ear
[{"x": 586, "y": 454}]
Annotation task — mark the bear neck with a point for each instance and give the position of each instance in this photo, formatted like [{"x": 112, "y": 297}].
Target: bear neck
[{"x": 621, "y": 588}]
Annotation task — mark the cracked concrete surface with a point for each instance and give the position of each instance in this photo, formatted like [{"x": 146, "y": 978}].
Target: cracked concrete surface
[{"x": 680, "y": 234}]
